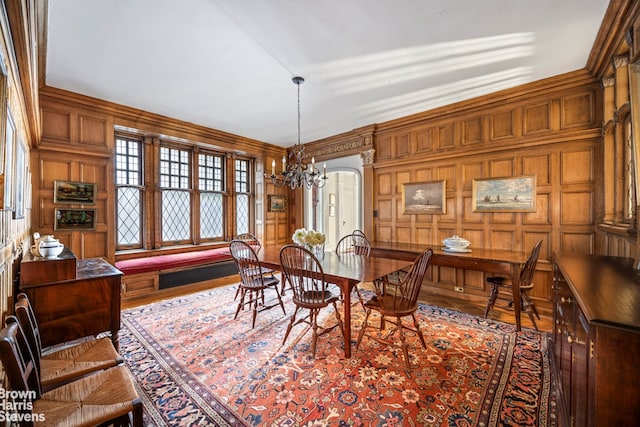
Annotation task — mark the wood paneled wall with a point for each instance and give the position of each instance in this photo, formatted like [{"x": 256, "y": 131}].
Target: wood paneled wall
[{"x": 549, "y": 129}]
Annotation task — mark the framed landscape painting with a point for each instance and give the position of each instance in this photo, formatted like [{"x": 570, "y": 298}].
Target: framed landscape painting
[
  {"x": 74, "y": 192},
  {"x": 276, "y": 203},
  {"x": 516, "y": 194},
  {"x": 75, "y": 219},
  {"x": 424, "y": 198}
]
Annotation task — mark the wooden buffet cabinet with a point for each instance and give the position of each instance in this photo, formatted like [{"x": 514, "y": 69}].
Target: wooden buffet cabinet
[
  {"x": 596, "y": 339},
  {"x": 72, "y": 298}
]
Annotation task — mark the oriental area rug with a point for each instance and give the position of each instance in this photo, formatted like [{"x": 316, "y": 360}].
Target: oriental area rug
[{"x": 196, "y": 366}]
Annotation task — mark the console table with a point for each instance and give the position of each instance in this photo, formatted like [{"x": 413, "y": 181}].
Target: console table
[
  {"x": 72, "y": 302},
  {"x": 596, "y": 339},
  {"x": 503, "y": 262}
]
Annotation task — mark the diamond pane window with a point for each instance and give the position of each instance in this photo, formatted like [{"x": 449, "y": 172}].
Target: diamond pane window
[
  {"x": 128, "y": 177},
  {"x": 210, "y": 185},
  {"x": 176, "y": 226},
  {"x": 243, "y": 197}
]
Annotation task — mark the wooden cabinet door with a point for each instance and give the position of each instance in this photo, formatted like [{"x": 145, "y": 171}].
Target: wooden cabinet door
[{"x": 579, "y": 371}]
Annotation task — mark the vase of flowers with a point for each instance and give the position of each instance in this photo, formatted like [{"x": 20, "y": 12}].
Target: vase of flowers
[{"x": 311, "y": 240}]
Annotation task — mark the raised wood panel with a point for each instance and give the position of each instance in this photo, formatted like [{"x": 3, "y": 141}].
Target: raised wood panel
[
  {"x": 577, "y": 167},
  {"x": 468, "y": 215},
  {"x": 94, "y": 244},
  {"x": 446, "y": 136},
  {"x": 385, "y": 233},
  {"x": 577, "y": 242},
  {"x": 450, "y": 212},
  {"x": 448, "y": 174},
  {"x": 537, "y": 118},
  {"x": 502, "y": 218},
  {"x": 426, "y": 139},
  {"x": 402, "y": 145},
  {"x": 576, "y": 208},
  {"x": 56, "y": 125},
  {"x": 471, "y": 171},
  {"x": 424, "y": 235},
  {"x": 542, "y": 215},
  {"x": 384, "y": 186},
  {"x": 503, "y": 239},
  {"x": 385, "y": 210},
  {"x": 94, "y": 131},
  {"x": 444, "y": 277},
  {"x": 403, "y": 178},
  {"x": 473, "y": 282},
  {"x": 502, "y": 167},
  {"x": 472, "y": 131},
  {"x": 538, "y": 165},
  {"x": 423, "y": 175},
  {"x": 476, "y": 237},
  {"x": 403, "y": 234},
  {"x": 577, "y": 110},
  {"x": 502, "y": 125},
  {"x": 383, "y": 147}
]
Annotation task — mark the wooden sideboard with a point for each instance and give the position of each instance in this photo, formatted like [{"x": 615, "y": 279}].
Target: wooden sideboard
[
  {"x": 596, "y": 339},
  {"x": 67, "y": 308}
]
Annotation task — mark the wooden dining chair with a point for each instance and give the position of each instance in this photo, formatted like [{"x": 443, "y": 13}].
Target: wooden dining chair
[
  {"x": 397, "y": 300},
  {"x": 354, "y": 244},
  {"x": 61, "y": 364},
  {"x": 253, "y": 281},
  {"x": 107, "y": 397},
  {"x": 253, "y": 241},
  {"x": 496, "y": 283},
  {"x": 311, "y": 291}
]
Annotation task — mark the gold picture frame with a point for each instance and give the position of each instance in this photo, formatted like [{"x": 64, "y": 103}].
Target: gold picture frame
[
  {"x": 516, "y": 194},
  {"x": 276, "y": 203},
  {"x": 74, "y": 192},
  {"x": 75, "y": 219},
  {"x": 424, "y": 198}
]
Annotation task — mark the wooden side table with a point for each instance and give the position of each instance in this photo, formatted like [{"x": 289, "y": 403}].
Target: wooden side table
[{"x": 86, "y": 305}]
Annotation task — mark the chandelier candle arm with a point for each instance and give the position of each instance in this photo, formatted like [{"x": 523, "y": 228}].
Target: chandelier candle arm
[{"x": 297, "y": 174}]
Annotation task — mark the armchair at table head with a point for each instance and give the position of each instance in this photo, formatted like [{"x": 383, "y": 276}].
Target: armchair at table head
[
  {"x": 310, "y": 289},
  {"x": 398, "y": 300},
  {"x": 526, "y": 284}
]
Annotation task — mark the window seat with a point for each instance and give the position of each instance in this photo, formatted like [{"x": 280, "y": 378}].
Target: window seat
[{"x": 145, "y": 275}]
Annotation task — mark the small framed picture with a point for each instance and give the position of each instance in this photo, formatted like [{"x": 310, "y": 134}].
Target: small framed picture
[
  {"x": 75, "y": 219},
  {"x": 74, "y": 192},
  {"x": 424, "y": 198},
  {"x": 516, "y": 194},
  {"x": 276, "y": 203}
]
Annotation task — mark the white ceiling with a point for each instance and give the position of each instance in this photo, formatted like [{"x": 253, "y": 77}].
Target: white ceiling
[{"x": 227, "y": 64}]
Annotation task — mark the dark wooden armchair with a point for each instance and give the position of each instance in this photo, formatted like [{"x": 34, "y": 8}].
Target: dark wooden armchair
[
  {"x": 107, "y": 397},
  {"x": 397, "y": 300},
  {"x": 253, "y": 281},
  {"x": 497, "y": 283},
  {"x": 311, "y": 291}
]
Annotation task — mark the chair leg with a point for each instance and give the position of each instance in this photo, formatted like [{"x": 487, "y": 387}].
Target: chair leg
[
  {"x": 241, "y": 303},
  {"x": 418, "y": 331},
  {"x": 363, "y": 327},
  {"x": 255, "y": 298},
  {"x": 340, "y": 324},
  {"x": 403, "y": 342},
  {"x": 280, "y": 299},
  {"x": 528, "y": 306},
  {"x": 493, "y": 295},
  {"x": 293, "y": 319}
]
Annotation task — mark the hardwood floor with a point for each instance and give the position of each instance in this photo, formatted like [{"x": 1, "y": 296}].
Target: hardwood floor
[{"x": 465, "y": 306}]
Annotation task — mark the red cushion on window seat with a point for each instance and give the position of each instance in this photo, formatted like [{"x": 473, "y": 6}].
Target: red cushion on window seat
[{"x": 165, "y": 262}]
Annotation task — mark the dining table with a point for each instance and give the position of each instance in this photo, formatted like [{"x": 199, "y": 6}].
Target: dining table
[{"x": 345, "y": 271}]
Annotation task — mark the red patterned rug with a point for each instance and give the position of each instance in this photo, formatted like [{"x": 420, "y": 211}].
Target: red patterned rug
[{"x": 197, "y": 366}]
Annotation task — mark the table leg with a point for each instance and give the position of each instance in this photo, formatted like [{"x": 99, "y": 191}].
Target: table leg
[
  {"x": 346, "y": 300},
  {"x": 515, "y": 280}
]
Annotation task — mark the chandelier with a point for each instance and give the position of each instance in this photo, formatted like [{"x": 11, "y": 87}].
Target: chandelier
[{"x": 296, "y": 173}]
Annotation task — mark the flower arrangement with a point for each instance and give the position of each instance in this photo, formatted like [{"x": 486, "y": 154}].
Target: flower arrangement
[{"x": 308, "y": 238}]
